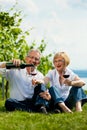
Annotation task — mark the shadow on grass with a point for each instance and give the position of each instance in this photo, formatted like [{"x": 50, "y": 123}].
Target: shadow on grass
[{"x": 2, "y": 109}]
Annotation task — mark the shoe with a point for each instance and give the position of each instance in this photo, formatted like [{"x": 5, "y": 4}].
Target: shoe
[
  {"x": 43, "y": 110},
  {"x": 57, "y": 111}
]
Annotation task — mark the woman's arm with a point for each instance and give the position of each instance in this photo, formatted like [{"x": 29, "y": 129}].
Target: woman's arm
[{"x": 76, "y": 82}]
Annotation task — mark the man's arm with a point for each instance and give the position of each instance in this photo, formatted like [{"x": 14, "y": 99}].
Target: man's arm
[
  {"x": 3, "y": 65},
  {"x": 16, "y": 62}
]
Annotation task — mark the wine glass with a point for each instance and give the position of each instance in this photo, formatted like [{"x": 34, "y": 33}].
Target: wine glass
[
  {"x": 33, "y": 73},
  {"x": 66, "y": 75}
]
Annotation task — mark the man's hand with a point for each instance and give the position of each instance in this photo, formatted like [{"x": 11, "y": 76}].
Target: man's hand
[
  {"x": 35, "y": 81},
  {"x": 3, "y": 65},
  {"x": 45, "y": 95},
  {"x": 16, "y": 62}
]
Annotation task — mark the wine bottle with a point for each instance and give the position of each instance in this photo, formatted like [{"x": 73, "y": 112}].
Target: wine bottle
[{"x": 10, "y": 65}]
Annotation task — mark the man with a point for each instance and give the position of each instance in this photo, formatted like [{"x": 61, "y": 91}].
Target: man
[{"x": 22, "y": 94}]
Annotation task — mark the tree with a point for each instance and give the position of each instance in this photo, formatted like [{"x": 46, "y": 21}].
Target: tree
[
  {"x": 13, "y": 42},
  {"x": 12, "y": 38},
  {"x": 46, "y": 63}
]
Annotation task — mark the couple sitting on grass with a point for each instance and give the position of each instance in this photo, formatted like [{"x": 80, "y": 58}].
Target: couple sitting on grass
[{"x": 28, "y": 90}]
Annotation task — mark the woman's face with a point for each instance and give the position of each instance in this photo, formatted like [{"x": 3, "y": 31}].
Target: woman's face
[{"x": 59, "y": 63}]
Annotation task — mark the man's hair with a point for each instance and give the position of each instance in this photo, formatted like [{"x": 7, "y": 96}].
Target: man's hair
[{"x": 34, "y": 50}]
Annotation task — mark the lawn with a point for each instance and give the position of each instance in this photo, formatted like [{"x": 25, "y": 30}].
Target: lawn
[{"x": 19, "y": 120}]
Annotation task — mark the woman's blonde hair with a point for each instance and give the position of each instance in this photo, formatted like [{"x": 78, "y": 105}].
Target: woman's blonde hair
[{"x": 64, "y": 56}]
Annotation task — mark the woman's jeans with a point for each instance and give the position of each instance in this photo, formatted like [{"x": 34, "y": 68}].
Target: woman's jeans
[{"x": 76, "y": 94}]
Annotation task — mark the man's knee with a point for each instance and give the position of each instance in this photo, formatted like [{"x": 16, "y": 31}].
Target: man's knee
[
  {"x": 40, "y": 88},
  {"x": 9, "y": 105}
]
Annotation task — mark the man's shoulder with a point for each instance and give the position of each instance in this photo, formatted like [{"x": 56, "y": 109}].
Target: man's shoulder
[{"x": 40, "y": 73}]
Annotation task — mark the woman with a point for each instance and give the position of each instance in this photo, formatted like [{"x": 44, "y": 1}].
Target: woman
[{"x": 65, "y": 93}]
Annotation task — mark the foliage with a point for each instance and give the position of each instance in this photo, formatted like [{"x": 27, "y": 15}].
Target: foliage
[
  {"x": 13, "y": 42},
  {"x": 12, "y": 38},
  {"x": 45, "y": 63}
]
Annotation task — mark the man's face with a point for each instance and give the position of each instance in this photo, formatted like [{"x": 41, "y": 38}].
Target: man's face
[{"x": 33, "y": 58}]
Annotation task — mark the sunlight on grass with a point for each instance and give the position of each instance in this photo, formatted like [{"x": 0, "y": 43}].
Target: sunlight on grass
[{"x": 19, "y": 120}]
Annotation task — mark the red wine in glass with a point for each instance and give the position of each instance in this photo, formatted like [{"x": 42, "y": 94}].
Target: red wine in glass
[
  {"x": 33, "y": 74},
  {"x": 66, "y": 75}
]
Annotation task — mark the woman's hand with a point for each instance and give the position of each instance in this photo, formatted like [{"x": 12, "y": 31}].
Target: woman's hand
[{"x": 67, "y": 82}]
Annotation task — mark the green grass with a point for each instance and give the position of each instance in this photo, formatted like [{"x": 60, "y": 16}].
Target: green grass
[{"x": 19, "y": 120}]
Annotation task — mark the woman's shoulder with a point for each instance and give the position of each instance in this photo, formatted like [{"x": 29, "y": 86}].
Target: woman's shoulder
[
  {"x": 69, "y": 70},
  {"x": 51, "y": 71}
]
